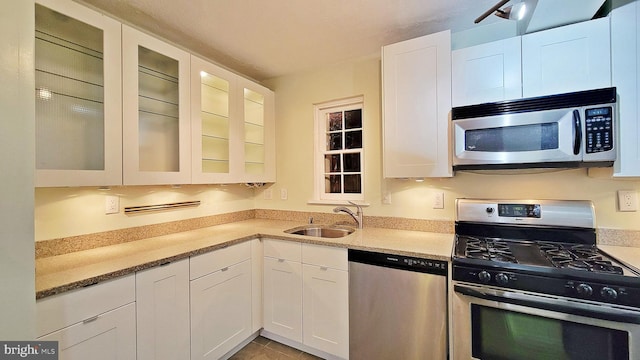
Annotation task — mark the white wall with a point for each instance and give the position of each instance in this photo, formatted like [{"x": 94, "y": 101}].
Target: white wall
[
  {"x": 17, "y": 149},
  {"x": 62, "y": 212},
  {"x": 295, "y": 96}
]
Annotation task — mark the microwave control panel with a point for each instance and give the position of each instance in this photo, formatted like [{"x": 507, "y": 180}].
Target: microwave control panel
[{"x": 599, "y": 129}]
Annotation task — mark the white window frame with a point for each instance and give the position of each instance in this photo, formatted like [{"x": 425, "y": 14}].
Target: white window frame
[{"x": 320, "y": 110}]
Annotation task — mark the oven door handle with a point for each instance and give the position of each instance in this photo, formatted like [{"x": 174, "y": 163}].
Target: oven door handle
[{"x": 557, "y": 305}]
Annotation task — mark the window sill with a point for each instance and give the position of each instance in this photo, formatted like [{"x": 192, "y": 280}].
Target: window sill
[{"x": 337, "y": 203}]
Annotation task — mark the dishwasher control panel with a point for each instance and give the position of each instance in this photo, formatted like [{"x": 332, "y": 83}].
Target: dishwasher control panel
[{"x": 431, "y": 266}]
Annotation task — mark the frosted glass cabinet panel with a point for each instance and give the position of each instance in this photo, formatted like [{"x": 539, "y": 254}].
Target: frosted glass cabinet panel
[
  {"x": 214, "y": 124},
  {"x": 258, "y": 133},
  {"x": 78, "y": 96},
  {"x": 156, "y": 127}
]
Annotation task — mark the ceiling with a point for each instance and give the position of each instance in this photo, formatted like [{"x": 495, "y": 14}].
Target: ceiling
[{"x": 263, "y": 39}]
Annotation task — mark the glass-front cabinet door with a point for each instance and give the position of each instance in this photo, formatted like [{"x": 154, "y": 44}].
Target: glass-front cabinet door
[
  {"x": 214, "y": 124},
  {"x": 78, "y": 96},
  {"x": 156, "y": 123},
  {"x": 258, "y": 133}
]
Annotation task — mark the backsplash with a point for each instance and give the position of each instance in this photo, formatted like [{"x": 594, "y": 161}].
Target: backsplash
[{"x": 71, "y": 244}]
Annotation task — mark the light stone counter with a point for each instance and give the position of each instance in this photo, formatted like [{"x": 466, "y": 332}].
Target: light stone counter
[
  {"x": 56, "y": 274},
  {"x": 627, "y": 255}
]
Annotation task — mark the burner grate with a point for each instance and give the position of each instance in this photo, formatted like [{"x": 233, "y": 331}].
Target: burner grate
[
  {"x": 578, "y": 257},
  {"x": 489, "y": 249}
]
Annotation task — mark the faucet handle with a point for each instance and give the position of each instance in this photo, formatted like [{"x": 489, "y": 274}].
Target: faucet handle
[{"x": 358, "y": 207}]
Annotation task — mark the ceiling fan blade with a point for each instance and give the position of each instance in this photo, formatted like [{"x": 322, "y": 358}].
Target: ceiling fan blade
[{"x": 490, "y": 11}]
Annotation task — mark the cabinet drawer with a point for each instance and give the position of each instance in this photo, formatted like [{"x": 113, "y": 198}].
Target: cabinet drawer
[
  {"x": 210, "y": 262},
  {"x": 59, "y": 311},
  {"x": 110, "y": 336},
  {"x": 325, "y": 256},
  {"x": 279, "y": 249}
]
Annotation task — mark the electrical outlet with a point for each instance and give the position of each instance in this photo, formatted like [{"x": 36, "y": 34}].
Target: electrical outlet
[
  {"x": 386, "y": 198},
  {"x": 268, "y": 194},
  {"x": 627, "y": 200},
  {"x": 438, "y": 200},
  {"x": 283, "y": 194},
  {"x": 111, "y": 204}
]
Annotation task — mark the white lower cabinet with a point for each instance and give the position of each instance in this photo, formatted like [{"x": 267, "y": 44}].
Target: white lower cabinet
[
  {"x": 162, "y": 304},
  {"x": 221, "y": 297},
  {"x": 97, "y": 322},
  {"x": 283, "y": 298},
  {"x": 326, "y": 309},
  {"x": 306, "y": 295}
]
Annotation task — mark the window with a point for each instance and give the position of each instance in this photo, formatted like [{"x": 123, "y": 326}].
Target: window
[{"x": 339, "y": 155}]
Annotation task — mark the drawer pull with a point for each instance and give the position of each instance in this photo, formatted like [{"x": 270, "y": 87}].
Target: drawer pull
[
  {"x": 324, "y": 268},
  {"x": 91, "y": 319},
  {"x": 225, "y": 268},
  {"x": 281, "y": 260}
]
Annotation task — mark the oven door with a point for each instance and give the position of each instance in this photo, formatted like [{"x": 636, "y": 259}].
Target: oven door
[
  {"x": 530, "y": 137},
  {"x": 490, "y": 323}
]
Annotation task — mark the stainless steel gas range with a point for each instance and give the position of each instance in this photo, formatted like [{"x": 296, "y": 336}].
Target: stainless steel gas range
[{"x": 530, "y": 283}]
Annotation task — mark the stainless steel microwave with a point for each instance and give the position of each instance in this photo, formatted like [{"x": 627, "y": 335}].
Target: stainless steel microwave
[{"x": 558, "y": 131}]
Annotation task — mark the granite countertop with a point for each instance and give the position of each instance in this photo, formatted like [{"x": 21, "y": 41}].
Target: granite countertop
[
  {"x": 62, "y": 273},
  {"x": 627, "y": 255}
]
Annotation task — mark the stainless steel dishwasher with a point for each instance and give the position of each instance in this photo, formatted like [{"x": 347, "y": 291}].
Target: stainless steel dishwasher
[{"x": 397, "y": 307}]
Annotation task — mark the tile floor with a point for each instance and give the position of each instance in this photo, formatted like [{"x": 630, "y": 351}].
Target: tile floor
[{"x": 264, "y": 349}]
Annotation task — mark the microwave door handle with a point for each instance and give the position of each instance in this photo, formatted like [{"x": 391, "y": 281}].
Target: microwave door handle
[{"x": 577, "y": 132}]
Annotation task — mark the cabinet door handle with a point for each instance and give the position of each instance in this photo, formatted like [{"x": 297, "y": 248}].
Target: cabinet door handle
[{"x": 91, "y": 319}]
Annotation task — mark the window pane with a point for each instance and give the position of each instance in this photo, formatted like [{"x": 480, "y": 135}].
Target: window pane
[
  {"x": 332, "y": 163},
  {"x": 334, "y": 141},
  {"x": 334, "y": 121},
  {"x": 352, "y": 184},
  {"x": 352, "y": 162},
  {"x": 353, "y": 139},
  {"x": 332, "y": 184},
  {"x": 353, "y": 119}
]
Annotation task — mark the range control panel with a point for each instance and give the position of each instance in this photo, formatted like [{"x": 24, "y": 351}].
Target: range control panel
[{"x": 599, "y": 129}]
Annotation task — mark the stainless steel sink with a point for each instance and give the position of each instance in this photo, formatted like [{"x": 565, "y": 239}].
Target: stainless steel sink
[{"x": 325, "y": 231}]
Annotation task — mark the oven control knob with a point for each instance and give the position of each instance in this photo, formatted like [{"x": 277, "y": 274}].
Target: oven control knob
[
  {"x": 502, "y": 279},
  {"x": 584, "y": 290},
  {"x": 608, "y": 293},
  {"x": 489, "y": 210},
  {"x": 484, "y": 277}
]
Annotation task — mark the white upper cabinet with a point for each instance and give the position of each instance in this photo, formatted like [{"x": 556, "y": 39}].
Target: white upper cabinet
[
  {"x": 486, "y": 73},
  {"x": 625, "y": 55},
  {"x": 215, "y": 124},
  {"x": 565, "y": 59},
  {"x": 156, "y": 107},
  {"x": 78, "y": 96},
  {"x": 232, "y": 127},
  {"x": 258, "y": 133},
  {"x": 416, "y": 92}
]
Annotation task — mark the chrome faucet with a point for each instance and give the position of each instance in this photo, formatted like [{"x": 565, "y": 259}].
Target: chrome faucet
[{"x": 357, "y": 216}]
